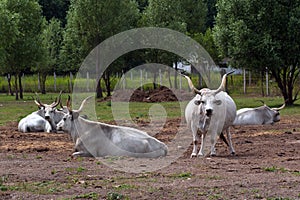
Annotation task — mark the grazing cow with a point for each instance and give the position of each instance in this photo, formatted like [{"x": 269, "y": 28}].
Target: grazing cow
[
  {"x": 210, "y": 112},
  {"x": 257, "y": 116},
  {"x": 41, "y": 120},
  {"x": 100, "y": 139}
]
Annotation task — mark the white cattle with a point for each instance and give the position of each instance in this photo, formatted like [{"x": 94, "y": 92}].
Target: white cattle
[
  {"x": 210, "y": 112},
  {"x": 257, "y": 116},
  {"x": 41, "y": 120},
  {"x": 34, "y": 122},
  {"x": 100, "y": 139}
]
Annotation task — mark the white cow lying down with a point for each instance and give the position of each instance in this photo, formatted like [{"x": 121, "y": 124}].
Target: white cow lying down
[
  {"x": 100, "y": 139},
  {"x": 257, "y": 116},
  {"x": 41, "y": 120},
  {"x": 34, "y": 122}
]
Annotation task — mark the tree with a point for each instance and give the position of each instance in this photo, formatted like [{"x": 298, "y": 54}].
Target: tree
[
  {"x": 24, "y": 50},
  {"x": 89, "y": 22},
  {"x": 262, "y": 34},
  {"x": 51, "y": 39},
  {"x": 55, "y": 9},
  {"x": 9, "y": 23},
  {"x": 164, "y": 14}
]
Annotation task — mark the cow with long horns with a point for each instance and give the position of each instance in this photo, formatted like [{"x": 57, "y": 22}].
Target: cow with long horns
[
  {"x": 41, "y": 120},
  {"x": 99, "y": 139},
  {"x": 210, "y": 112},
  {"x": 257, "y": 116}
]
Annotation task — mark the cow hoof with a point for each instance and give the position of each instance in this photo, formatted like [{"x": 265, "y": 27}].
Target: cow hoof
[
  {"x": 232, "y": 153},
  {"x": 193, "y": 155},
  {"x": 213, "y": 155}
]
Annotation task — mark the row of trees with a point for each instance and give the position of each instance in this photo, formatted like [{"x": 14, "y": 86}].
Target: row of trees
[{"x": 56, "y": 35}]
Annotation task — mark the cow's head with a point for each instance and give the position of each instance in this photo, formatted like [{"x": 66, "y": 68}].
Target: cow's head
[
  {"x": 208, "y": 100},
  {"x": 274, "y": 115},
  {"x": 68, "y": 119},
  {"x": 47, "y": 111}
]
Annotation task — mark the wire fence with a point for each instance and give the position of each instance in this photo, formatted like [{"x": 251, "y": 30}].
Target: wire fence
[{"x": 247, "y": 82}]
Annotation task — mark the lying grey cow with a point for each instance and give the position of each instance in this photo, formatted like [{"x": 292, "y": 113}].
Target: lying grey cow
[
  {"x": 257, "y": 116},
  {"x": 210, "y": 112},
  {"x": 100, "y": 139},
  {"x": 41, "y": 120}
]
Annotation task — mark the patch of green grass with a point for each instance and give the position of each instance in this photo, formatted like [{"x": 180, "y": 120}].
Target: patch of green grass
[
  {"x": 115, "y": 196},
  {"x": 182, "y": 175},
  {"x": 45, "y": 187},
  {"x": 124, "y": 187},
  {"x": 297, "y": 173},
  {"x": 276, "y": 169},
  {"x": 12, "y": 110},
  {"x": 92, "y": 195}
]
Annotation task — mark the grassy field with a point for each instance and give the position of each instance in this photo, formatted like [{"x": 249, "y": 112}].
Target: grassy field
[{"x": 12, "y": 110}]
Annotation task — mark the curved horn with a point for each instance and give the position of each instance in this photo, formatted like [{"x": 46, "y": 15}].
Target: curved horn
[
  {"x": 281, "y": 107},
  {"x": 83, "y": 102},
  {"x": 263, "y": 102},
  {"x": 38, "y": 102},
  {"x": 191, "y": 85},
  {"x": 223, "y": 83},
  {"x": 55, "y": 103},
  {"x": 69, "y": 103}
]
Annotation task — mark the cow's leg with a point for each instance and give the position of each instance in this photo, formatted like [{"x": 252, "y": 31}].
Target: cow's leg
[
  {"x": 47, "y": 127},
  {"x": 213, "y": 140},
  {"x": 195, "y": 140},
  {"x": 232, "y": 152},
  {"x": 201, "y": 152}
]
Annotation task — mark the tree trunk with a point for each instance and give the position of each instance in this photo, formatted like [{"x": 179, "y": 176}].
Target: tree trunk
[
  {"x": 175, "y": 75},
  {"x": 169, "y": 77},
  {"x": 10, "y": 90},
  {"x": 43, "y": 78},
  {"x": 285, "y": 87},
  {"x": 16, "y": 87},
  {"x": 99, "y": 89},
  {"x": 107, "y": 83},
  {"x": 20, "y": 86},
  {"x": 154, "y": 80}
]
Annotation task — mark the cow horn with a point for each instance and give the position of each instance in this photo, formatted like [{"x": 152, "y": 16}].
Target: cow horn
[
  {"x": 56, "y": 103},
  {"x": 223, "y": 83},
  {"x": 263, "y": 102},
  {"x": 82, "y": 103},
  {"x": 191, "y": 85},
  {"x": 69, "y": 103},
  {"x": 281, "y": 107},
  {"x": 38, "y": 102}
]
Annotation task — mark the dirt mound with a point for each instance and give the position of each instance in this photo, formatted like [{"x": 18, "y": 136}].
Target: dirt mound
[{"x": 161, "y": 94}]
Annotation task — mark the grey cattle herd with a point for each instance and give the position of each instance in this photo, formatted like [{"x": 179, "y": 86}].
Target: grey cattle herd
[{"x": 210, "y": 113}]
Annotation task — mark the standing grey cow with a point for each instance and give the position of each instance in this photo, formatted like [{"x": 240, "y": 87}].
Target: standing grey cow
[
  {"x": 99, "y": 139},
  {"x": 257, "y": 116},
  {"x": 210, "y": 112}
]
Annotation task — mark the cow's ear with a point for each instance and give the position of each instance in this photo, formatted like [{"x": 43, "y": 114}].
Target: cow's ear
[
  {"x": 218, "y": 102},
  {"x": 197, "y": 102},
  {"x": 75, "y": 115}
]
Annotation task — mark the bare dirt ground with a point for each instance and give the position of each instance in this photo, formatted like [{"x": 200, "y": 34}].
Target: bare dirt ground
[{"x": 266, "y": 166}]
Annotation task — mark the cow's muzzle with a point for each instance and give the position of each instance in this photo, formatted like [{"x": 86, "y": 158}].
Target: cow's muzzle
[{"x": 209, "y": 112}]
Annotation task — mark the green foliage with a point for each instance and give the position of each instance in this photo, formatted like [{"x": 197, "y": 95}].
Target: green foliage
[
  {"x": 259, "y": 34},
  {"x": 91, "y": 195}
]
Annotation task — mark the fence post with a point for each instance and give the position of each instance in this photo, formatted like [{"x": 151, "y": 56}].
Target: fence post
[
  {"x": 54, "y": 75},
  {"x": 87, "y": 81},
  {"x": 267, "y": 82},
  {"x": 244, "y": 81}
]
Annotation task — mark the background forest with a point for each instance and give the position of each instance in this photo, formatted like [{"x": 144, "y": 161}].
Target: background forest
[{"x": 44, "y": 38}]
